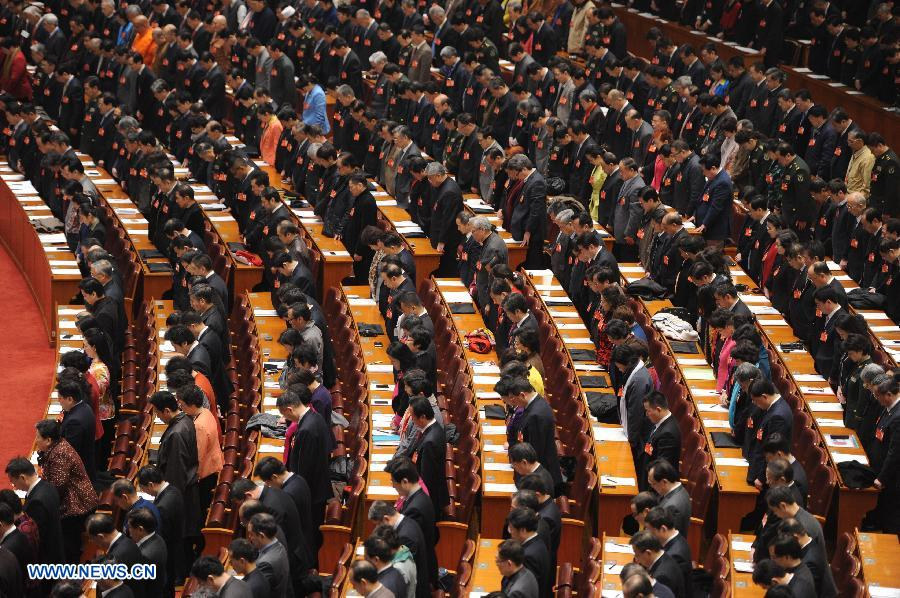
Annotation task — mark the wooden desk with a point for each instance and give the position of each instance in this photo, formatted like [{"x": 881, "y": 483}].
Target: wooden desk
[
  {"x": 819, "y": 401},
  {"x": 617, "y": 480},
  {"x": 879, "y": 555},
  {"x": 617, "y": 553},
  {"x": 739, "y": 555},
  {"x": 166, "y": 352},
  {"x": 868, "y": 112},
  {"x": 46, "y": 262},
  {"x": 485, "y": 575}
]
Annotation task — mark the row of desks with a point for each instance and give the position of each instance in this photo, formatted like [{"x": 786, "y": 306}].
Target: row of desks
[
  {"x": 45, "y": 260},
  {"x": 868, "y": 112}
]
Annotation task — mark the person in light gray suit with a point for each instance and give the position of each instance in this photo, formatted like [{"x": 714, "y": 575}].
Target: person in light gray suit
[
  {"x": 421, "y": 57},
  {"x": 518, "y": 581},
  {"x": 405, "y": 148},
  {"x": 210, "y": 574},
  {"x": 126, "y": 90},
  {"x": 486, "y": 172},
  {"x": 262, "y": 65},
  {"x": 627, "y": 212},
  {"x": 493, "y": 252},
  {"x": 364, "y": 579},
  {"x": 273, "y": 557},
  {"x": 566, "y": 94},
  {"x": 673, "y": 496}
]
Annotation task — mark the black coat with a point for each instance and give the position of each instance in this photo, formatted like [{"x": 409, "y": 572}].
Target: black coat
[
  {"x": 18, "y": 544},
  {"x": 667, "y": 572},
  {"x": 170, "y": 503},
  {"x": 429, "y": 456},
  {"x": 78, "y": 428},
  {"x": 126, "y": 552},
  {"x": 679, "y": 549},
  {"x": 418, "y": 507},
  {"x": 42, "y": 505},
  {"x": 777, "y": 418},
  {"x": 537, "y": 559},
  {"x": 410, "y": 535},
  {"x": 664, "y": 442},
  {"x": 538, "y": 428},
  {"x": 155, "y": 551},
  {"x": 309, "y": 456},
  {"x": 300, "y": 552},
  {"x": 297, "y": 488}
]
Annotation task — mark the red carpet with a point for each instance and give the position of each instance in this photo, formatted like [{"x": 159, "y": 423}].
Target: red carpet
[{"x": 28, "y": 362}]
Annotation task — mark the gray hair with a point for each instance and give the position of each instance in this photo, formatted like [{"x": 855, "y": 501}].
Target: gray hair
[
  {"x": 132, "y": 10},
  {"x": 362, "y": 13},
  {"x": 128, "y": 123},
  {"x": 345, "y": 90},
  {"x": 377, "y": 58},
  {"x": 435, "y": 168},
  {"x": 870, "y": 372},
  {"x": 745, "y": 124},
  {"x": 436, "y": 10},
  {"x": 448, "y": 52},
  {"x": 519, "y": 162},
  {"x": 51, "y": 18},
  {"x": 381, "y": 509},
  {"x": 481, "y": 223},
  {"x": 313, "y": 148},
  {"x": 683, "y": 81},
  {"x": 103, "y": 267},
  {"x": 746, "y": 372},
  {"x": 39, "y": 48},
  {"x": 565, "y": 216}
]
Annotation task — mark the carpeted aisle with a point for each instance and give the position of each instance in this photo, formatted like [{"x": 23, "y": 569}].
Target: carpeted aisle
[{"x": 28, "y": 361}]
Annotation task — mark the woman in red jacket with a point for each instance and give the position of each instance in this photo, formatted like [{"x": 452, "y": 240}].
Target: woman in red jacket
[{"x": 14, "y": 78}]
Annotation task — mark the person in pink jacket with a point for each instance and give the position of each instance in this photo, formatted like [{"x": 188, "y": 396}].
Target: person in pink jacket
[{"x": 721, "y": 326}]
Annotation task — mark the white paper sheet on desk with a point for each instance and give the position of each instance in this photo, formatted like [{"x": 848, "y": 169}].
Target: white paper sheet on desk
[
  {"x": 53, "y": 249},
  {"x": 704, "y": 392},
  {"x": 608, "y": 480},
  {"x": 701, "y": 373},
  {"x": 35, "y": 208},
  {"x": 271, "y": 384},
  {"x": 741, "y": 546},
  {"x": 65, "y": 264},
  {"x": 717, "y": 424},
  {"x": 361, "y": 301},
  {"x": 873, "y": 315},
  {"x": 638, "y": 269},
  {"x": 843, "y": 277},
  {"x": 134, "y": 221},
  {"x": 732, "y": 461},
  {"x": 883, "y": 591},
  {"x": 494, "y": 448},
  {"x": 225, "y": 218},
  {"x": 827, "y": 407},
  {"x": 214, "y": 206},
  {"x": 832, "y": 441},
  {"x": 743, "y": 566},
  {"x": 339, "y": 253},
  {"x": 830, "y": 423},
  {"x": 884, "y": 328},
  {"x": 556, "y": 313},
  {"x": 548, "y": 287},
  {"x": 588, "y": 367},
  {"x": 611, "y": 434},
  {"x": 380, "y": 402},
  {"x": 138, "y": 232},
  {"x": 487, "y": 380},
  {"x": 271, "y": 448},
  {"x": 691, "y": 361},
  {"x": 54, "y": 409},
  {"x": 128, "y": 212},
  {"x": 577, "y": 340},
  {"x": 381, "y": 491},
  {"x": 736, "y": 272},
  {"x": 457, "y": 297},
  {"x": 497, "y": 467},
  {"x": 762, "y": 309},
  {"x": 500, "y": 488},
  {"x": 535, "y": 273},
  {"x": 104, "y": 181},
  {"x": 380, "y": 457},
  {"x": 405, "y": 230},
  {"x": 510, "y": 241},
  {"x": 833, "y": 265},
  {"x": 385, "y": 203},
  {"x": 380, "y": 368},
  {"x": 261, "y": 312},
  {"x": 611, "y": 593},
  {"x": 486, "y": 369},
  {"x": 814, "y": 390},
  {"x": 847, "y": 457},
  {"x": 68, "y": 324},
  {"x": 493, "y": 429},
  {"x": 379, "y": 386},
  {"x": 12, "y": 177},
  {"x": 380, "y": 194},
  {"x": 808, "y": 378},
  {"x": 570, "y": 326},
  {"x": 487, "y": 395},
  {"x": 616, "y": 548},
  {"x": 772, "y": 322},
  {"x": 711, "y": 408},
  {"x": 65, "y": 271},
  {"x": 52, "y": 238}
]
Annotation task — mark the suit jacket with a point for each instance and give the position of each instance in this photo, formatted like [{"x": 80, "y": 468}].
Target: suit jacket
[
  {"x": 418, "y": 507},
  {"x": 813, "y": 556},
  {"x": 609, "y": 193},
  {"x": 282, "y": 86},
  {"x": 538, "y": 428},
  {"x": 713, "y": 209},
  {"x": 777, "y": 418},
  {"x": 11, "y": 579},
  {"x": 627, "y": 212},
  {"x": 309, "y": 456},
  {"x": 18, "y": 545},
  {"x": 689, "y": 183},
  {"x": 411, "y": 536},
  {"x": 824, "y": 345},
  {"x": 275, "y": 566},
  {"x": 537, "y": 559},
  {"x": 42, "y": 505},
  {"x": 177, "y": 456},
  {"x": 679, "y": 549},
  {"x": 802, "y": 584},
  {"x": 530, "y": 212},
  {"x": 155, "y": 551},
  {"x": 447, "y": 203},
  {"x": 429, "y": 456},
  {"x": 297, "y": 488},
  {"x": 420, "y": 64},
  {"x": 631, "y": 406},
  {"x": 126, "y": 552},
  {"x": 660, "y": 442},
  {"x": 680, "y": 502},
  {"x": 200, "y": 360},
  {"x": 350, "y": 72},
  {"x": 667, "y": 572},
  {"x": 300, "y": 551},
  {"x": 257, "y": 583},
  {"x": 79, "y": 428},
  {"x": 493, "y": 252},
  {"x": 521, "y": 584},
  {"x": 885, "y": 449},
  {"x": 392, "y": 579}
]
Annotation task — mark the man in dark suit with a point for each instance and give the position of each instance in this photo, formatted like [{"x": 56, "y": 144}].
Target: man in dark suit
[
  {"x": 713, "y": 207},
  {"x": 824, "y": 340},
  {"x": 648, "y": 552},
  {"x": 142, "y": 529},
  {"x": 274, "y": 474},
  {"x": 518, "y": 580},
  {"x": 537, "y": 425},
  {"x": 661, "y": 524},
  {"x": 349, "y": 67},
  {"x": 379, "y": 553},
  {"x": 885, "y": 454},
  {"x": 273, "y": 559},
  {"x": 210, "y": 341},
  {"x": 308, "y": 454},
  {"x": 209, "y": 573},
  {"x": 493, "y": 252},
  {"x": 170, "y": 502},
  {"x": 78, "y": 424},
  {"x": 447, "y": 202},
  {"x": 524, "y": 461},
  {"x": 812, "y": 555},
  {"x": 727, "y": 298},
  {"x": 522, "y": 524},
  {"x": 177, "y": 458},
  {"x": 786, "y": 552},
  {"x": 579, "y": 175},
  {"x": 661, "y": 441},
  {"x": 201, "y": 265},
  {"x": 291, "y": 270},
  {"x": 775, "y": 416},
  {"x": 637, "y": 385},
  {"x": 768, "y": 573},
  {"x": 528, "y": 221},
  {"x": 42, "y": 505},
  {"x": 14, "y": 540},
  {"x": 243, "y": 558},
  {"x": 429, "y": 453},
  {"x": 71, "y": 110},
  {"x": 105, "y": 311},
  {"x": 417, "y": 506},
  {"x": 673, "y": 496},
  {"x": 102, "y": 531},
  {"x": 281, "y": 82},
  {"x": 411, "y": 536}
]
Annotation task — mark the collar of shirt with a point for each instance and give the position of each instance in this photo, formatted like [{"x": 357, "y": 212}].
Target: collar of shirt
[
  {"x": 831, "y": 315},
  {"x": 637, "y": 366},
  {"x": 37, "y": 480},
  {"x": 145, "y": 538},
  {"x": 105, "y": 592},
  {"x": 11, "y": 529}
]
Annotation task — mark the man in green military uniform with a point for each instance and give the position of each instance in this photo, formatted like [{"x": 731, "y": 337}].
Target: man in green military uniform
[
  {"x": 797, "y": 204},
  {"x": 884, "y": 193},
  {"x": 484, "y": 49}
]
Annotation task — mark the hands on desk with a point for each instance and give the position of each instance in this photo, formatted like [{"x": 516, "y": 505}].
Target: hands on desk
[
  {"x": 526, "y": 239},
  {"x": 440, "y": 248},
  {"x": 701, "y": 228}
]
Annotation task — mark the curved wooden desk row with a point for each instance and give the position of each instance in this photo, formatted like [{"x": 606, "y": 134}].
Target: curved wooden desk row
[{"x": 868, "y": 112}]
